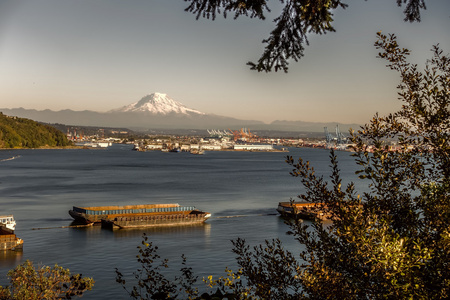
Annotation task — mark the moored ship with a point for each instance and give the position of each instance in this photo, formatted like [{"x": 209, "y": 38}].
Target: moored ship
[
  {"x": 133, "y": 216},
  {"x": 8, "y": 222}
]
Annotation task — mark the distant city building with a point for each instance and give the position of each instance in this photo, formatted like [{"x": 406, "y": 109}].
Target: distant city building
[
  {"x": 211, "y": 147},
  {"x": 253, "y": 147},
  {"x": 154, "y": 147}
]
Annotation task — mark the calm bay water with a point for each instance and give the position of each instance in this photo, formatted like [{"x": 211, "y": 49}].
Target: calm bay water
[{"x": 240, "y": 189}]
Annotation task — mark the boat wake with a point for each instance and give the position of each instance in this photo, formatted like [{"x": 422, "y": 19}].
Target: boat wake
[
  {"x": 69, "y": 226},
  {"x": 11, "y": 158},
  {"x": 241, "y": 216},
  {"x": 231, "y": 213}
]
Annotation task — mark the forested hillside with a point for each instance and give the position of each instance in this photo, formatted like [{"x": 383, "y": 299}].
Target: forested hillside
[{"x": 25, "y": 133}]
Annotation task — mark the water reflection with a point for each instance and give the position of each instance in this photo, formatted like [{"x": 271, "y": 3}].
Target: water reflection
[
  {"x": 95, "y": 231},
  {"x": 9, "y": 259},
  {"x": 202, "y": 228}
]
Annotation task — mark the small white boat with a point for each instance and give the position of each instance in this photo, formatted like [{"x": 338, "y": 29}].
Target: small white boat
[{"x": 8, "y": 221}]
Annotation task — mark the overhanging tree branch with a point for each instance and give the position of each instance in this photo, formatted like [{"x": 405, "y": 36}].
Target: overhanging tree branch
[{"x": 297, "y": 19}]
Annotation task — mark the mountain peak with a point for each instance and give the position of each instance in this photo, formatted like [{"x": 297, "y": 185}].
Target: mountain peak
[{"x": 158, "y": 103}]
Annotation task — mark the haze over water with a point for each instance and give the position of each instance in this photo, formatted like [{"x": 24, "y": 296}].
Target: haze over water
[{"x": 240, "y": 189}]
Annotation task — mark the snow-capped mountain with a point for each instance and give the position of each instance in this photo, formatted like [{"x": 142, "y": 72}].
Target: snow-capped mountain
[{"x": 158, "y": 103}]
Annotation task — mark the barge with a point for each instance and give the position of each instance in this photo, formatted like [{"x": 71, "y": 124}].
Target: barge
[
  {"x": 303, "y": 210},
  {"x": 134, "y": 216},
  {"x": 8, "y": 240}
]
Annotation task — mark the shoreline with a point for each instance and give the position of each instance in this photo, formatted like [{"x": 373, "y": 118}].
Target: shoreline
[
  {"x": 43, "y": 148},
  {"x": 88, "y": 148}
]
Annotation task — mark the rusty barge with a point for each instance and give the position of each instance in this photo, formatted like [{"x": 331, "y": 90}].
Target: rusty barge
[
  {"x": 136, "y": 216},
  {"x": 302, "y": 210},
  {"x": 8, "y": 240}
]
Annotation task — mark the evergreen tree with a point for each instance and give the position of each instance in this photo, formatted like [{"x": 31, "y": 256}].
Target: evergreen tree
[{"x": 297, "y": 19}]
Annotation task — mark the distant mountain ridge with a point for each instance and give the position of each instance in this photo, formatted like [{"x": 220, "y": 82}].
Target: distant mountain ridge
[{"x": 159, "y": 111}]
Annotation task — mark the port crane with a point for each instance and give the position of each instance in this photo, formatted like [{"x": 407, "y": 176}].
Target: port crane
[
  {"x": 339, "y": 139},
  {"x": 217, "y": 133},
  {"x": 243, "y": 134},
  {"x": 328, "y": 136}
]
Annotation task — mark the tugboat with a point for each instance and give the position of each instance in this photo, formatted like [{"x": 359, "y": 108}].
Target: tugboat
[{"x": 8, "y": 240}]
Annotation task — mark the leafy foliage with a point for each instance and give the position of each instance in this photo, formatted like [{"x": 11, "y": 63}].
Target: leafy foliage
[
  {"x": 297, "y": 19},
  {"x": 24, "y": 133},
  {"x": 390, "y": 242},
  {"x": 29, "y": 283}
]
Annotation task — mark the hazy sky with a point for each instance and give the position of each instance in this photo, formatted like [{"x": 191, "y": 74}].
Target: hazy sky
[{"x": 103, "y": 54}]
